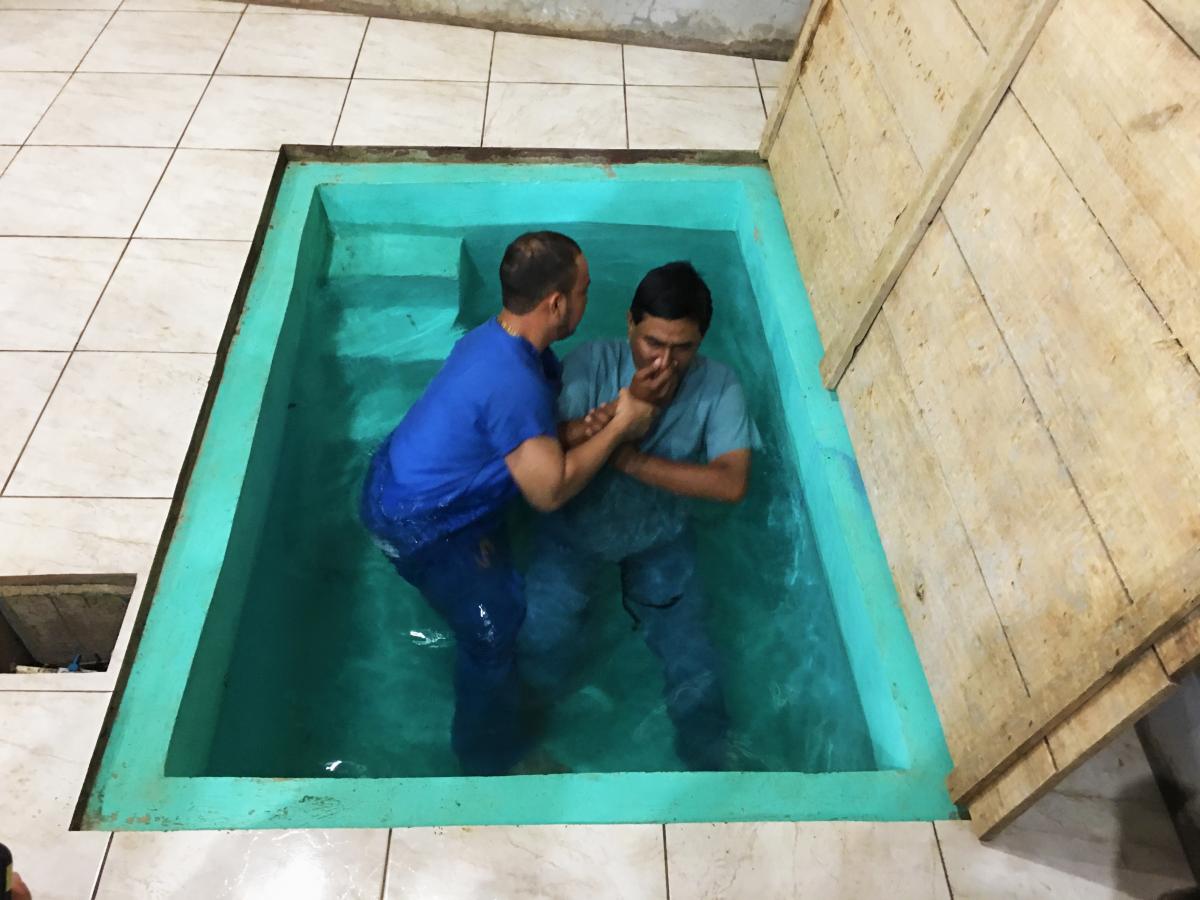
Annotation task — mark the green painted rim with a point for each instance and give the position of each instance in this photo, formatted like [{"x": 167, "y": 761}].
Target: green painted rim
[{"x": 129, "y": 789}]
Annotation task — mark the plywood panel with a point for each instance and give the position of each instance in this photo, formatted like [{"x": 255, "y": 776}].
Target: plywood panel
[
  {"x": 1116, "y": 95},
  {"x": 817, "y": 11},
  {"x": 1124, "y": 700},
  {"x": 863, "y": 140},
  {"x": 1122, "y": 405},
  {"x": 945, "y": 600},
  {"x": 1180, "y": 650},
  {"x": 1184, "y": 17},
  {"x": 827, "y": 250},
  {"x": 928, "y": 60},
  {"x": 993, "y": 21},
  {"x": 1045, "y": 566}
]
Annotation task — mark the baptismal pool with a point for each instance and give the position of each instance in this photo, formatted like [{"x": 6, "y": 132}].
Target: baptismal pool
[{"x": 286, "y": 677}]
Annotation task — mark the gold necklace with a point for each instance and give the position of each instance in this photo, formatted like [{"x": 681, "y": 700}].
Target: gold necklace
[{"x": 506, "y": 327}]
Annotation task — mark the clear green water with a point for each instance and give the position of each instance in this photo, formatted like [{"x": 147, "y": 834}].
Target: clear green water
[{"x": 338, "y": 659}]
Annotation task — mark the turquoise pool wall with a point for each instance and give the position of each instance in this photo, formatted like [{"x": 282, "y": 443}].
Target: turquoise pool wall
[
  {"x": 338, "y": 662},
  {"x": 131, "y": 790}
]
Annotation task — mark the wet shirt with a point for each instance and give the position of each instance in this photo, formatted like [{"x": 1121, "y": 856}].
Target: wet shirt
[
  {"x": 616, "y": 515},
  {"x": 442, "y": 469}
]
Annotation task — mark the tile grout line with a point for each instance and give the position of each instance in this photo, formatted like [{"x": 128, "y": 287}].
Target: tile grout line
[
  {"x": 666, "y": 863},
  {"x": 57, "y": 381},
  {"x": 103, "y": 863},
  {"x": 487, "y": 91},
  {"x": 127, "y": 240},
  {"x": 350, "y": 81},
  {"x": 625, "y": 95},
  {"x": 937, "y": 839},
  {"x": 387, "y": 857}
]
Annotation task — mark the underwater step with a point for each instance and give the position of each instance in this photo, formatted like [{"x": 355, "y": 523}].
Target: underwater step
[
  {"x": 357, "y": 254},
  {"x": 409, "y": 316}
]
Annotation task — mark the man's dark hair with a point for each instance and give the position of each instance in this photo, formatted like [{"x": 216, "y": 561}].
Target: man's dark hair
[
  {"x": 673, "y": 291},
  {"x": 536, "y": 264}
]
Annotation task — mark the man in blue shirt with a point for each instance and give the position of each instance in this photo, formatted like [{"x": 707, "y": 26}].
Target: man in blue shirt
[
  {"x": 485, "y": 430},
  {"x": 635, "y": 513}
]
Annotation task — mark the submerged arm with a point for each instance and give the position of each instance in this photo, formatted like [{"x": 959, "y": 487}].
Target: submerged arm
[{"x": 724, "y": 479}]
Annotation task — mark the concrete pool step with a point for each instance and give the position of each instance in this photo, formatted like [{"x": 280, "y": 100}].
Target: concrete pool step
[{"x": 408, "y": 316}]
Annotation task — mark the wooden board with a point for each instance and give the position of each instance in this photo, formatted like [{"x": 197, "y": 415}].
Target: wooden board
[
  {"x": 940, "y": 176},
  {"x": 1184, "y": 17},
  {"x": 1124, "y": 415},
  {"x": 1113, "y": 91},
  {"x": 860, "y": 135},
  {"x": 946, "y": 602},
  {"x": 827, "y": 250},
  {"x": 817, "y": 10},
  {"x": 1046, "y": 569},
  {"x": 993, "y": 21},
  {"x": 1122, "y": 702},
  {"x": 1179, "y": 650},
  {"x": 928, "y": 61}
]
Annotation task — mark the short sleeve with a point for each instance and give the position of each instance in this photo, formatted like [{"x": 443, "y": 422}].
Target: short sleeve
[
  {"x": 517, "y": 411},
  {"x": 729, "y": 426},
  {"x": 577, "y": 397}
]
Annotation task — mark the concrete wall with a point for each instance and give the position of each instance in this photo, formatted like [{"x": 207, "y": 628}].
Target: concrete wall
[
  {"x": 1171, "y": 735},
  {"x": 764, "y": 28}
]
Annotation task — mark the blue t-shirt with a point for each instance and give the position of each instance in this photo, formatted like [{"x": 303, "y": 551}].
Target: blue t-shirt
[
  {"x": 442, "y": 469},
  {"x": 616, "y": 515}
]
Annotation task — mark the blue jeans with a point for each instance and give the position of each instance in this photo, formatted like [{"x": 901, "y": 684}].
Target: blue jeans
[
  {"x": 469, "y": 579},
  {"x": 662, "y": 593}
]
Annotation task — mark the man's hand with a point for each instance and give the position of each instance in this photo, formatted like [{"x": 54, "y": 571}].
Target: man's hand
[
  {"x": 577, "y": 431},
  {"x": 633, "y": 417},
  {"x": 656, "y": 383}
]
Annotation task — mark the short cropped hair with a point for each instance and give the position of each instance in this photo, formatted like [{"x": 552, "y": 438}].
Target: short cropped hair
[
  {"x": 535, "y": 265},
  {"x": 673, "y": 291}
]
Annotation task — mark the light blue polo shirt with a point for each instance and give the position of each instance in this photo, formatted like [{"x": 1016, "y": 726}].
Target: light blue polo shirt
[{"x": 616, "y": 515}]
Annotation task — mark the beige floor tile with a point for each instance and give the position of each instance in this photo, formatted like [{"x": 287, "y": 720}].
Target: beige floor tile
[
  {"x": 527, "y": 57},
  {"x": 28, "y": 379},
  {"x": 62, "y": 5},
  {"x": 224, "y": 865},
  {"x": 78, "y": 191},
  {"x": 48, "y": 741},
  {"x": 183, "y": 6},
  {"x": 24, "y": 96},
  {"x": 298, "y": 45},
  {"x": 46, "y": 41},
  {"x": 651, "y": 65},
  {"x": 101, "y": 110},
  {"x": 413, "y": 113},
  {"x": 555, "y": 115},
  {"x": 117, "y": 425},
  {"x": 168, "y": 296},
  {"x": 181, "y": 43},
  {"x": 260, "y": 113},
  {"x": 210, "y": 195},
  {"x": 770, "y": 71},
  {"x": 48, "y": 536},
  {"x": 623, "y": 861},
  {"x": 421, "y": 51},
  {"x": 695, "y": 117},
  {"x": 49, "y": 287},
  {"x": 6, "y": 156},
  {"x": 826, "y": 860}
]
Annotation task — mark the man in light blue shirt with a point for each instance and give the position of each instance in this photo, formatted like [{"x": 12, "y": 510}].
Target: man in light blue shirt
[{"x": 635, "y": 513}]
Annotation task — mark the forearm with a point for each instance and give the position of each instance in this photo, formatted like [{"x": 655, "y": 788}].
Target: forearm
[
  {"x": 705, "y": 481},
  {"x": 581, "y": 463},
  {"x": 573, "y": 433}
]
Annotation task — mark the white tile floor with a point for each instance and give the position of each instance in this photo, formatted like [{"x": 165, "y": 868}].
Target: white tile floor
[{"x": 136, "y": 142}]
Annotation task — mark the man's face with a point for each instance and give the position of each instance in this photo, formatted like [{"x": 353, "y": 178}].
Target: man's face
[
  {"x": 673, "y": 341},
  {"x": 575, "y": 301}
]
